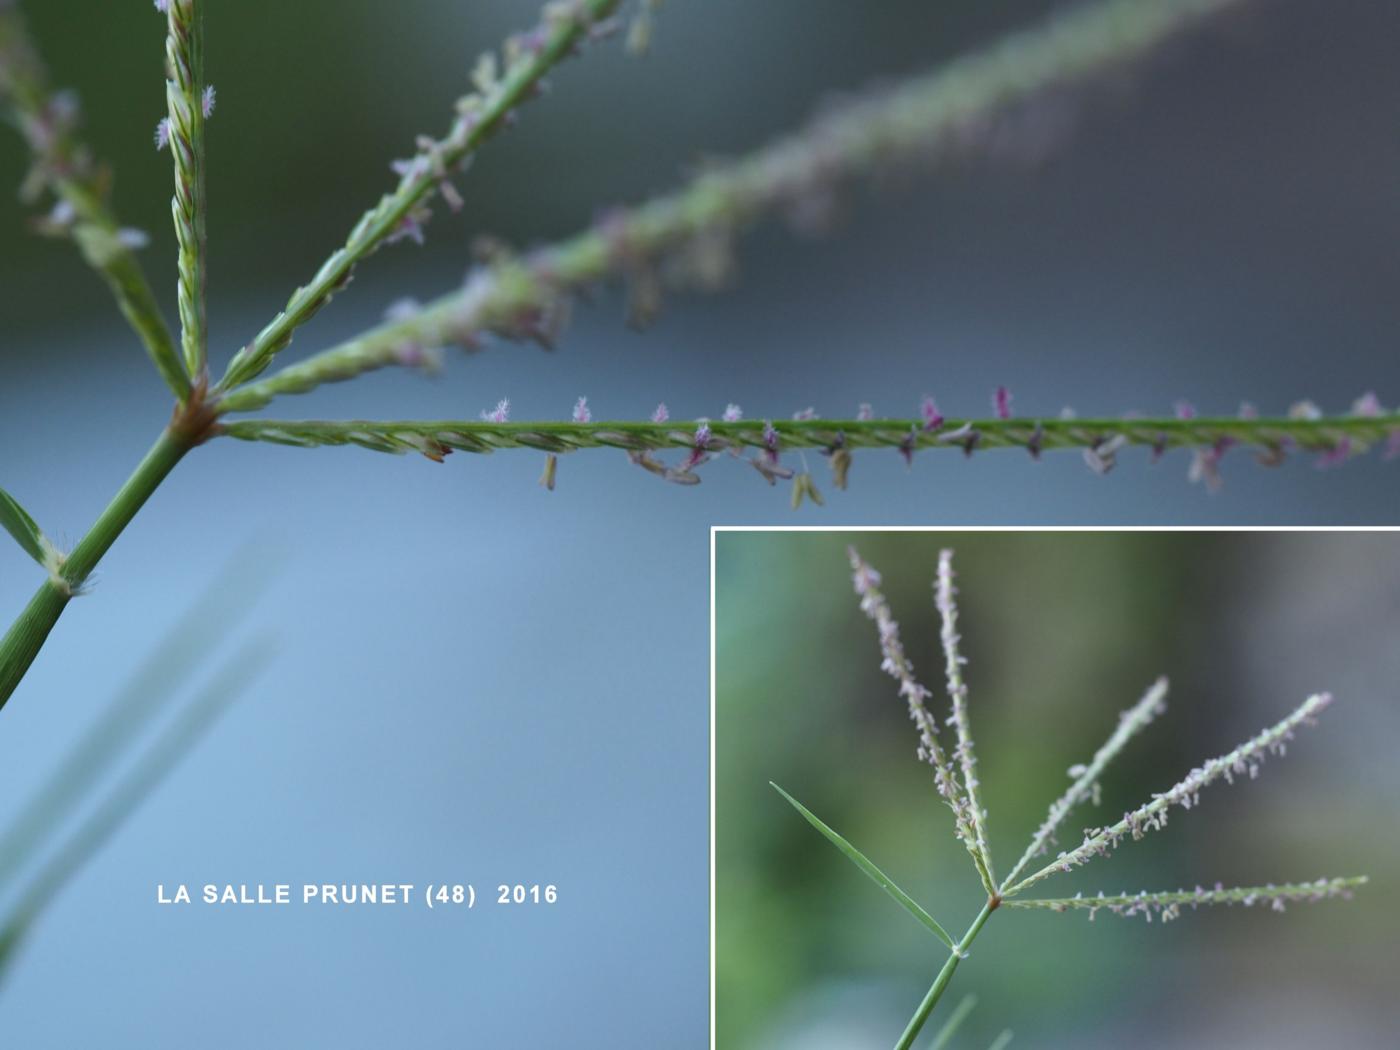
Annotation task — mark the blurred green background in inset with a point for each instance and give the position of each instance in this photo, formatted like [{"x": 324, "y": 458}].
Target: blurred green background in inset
[{"x": 1061, "y": 632}]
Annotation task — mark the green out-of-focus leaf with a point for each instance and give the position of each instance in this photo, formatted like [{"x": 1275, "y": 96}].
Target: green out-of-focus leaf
[
  {"x": 880, "y": 879},
  {"x": 954, "y": 1022},
  {"x": 181, "y": 737},
  {"x": 22, "y": 527}
]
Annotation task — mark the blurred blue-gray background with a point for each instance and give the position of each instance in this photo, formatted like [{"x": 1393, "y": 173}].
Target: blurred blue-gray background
[{"x": 481, "y": 680}]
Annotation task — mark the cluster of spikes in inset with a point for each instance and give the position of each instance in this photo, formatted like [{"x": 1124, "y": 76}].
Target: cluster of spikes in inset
[
  {"x": 963, "y": 798},
  {"x": 956, "y": 780}
]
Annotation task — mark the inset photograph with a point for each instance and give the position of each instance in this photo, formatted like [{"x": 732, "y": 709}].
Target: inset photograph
[{"x": 1054, "y": 789}]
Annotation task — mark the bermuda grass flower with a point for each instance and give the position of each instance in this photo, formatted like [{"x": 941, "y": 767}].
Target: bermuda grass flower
[{"x": 957, "y": 781}]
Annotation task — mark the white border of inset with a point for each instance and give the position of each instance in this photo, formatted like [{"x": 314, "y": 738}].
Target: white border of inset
[{"x": 715, "y": 530}]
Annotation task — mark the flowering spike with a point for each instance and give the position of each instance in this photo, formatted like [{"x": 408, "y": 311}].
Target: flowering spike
[
  {"x": 1130, "y": 722},
  {"x": 187, "y": 103},
  {"x": 898, "y": 667},
  {"x": 1244, "y": 759},
  {"x": 479, "y": 115},
  {"x": 1168, "y": 904},
  {"x": 944, "y": 595},
  {"x": 410, "y": 342}
]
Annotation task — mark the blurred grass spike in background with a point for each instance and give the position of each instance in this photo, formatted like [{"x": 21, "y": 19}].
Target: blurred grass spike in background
[
  {"x": 213, "y": 617},
  {"x": 189, "y": 725}
]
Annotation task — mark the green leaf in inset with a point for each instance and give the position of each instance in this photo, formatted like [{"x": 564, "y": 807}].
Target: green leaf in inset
[
  {"x": 876, "y": 875},
  {"x": 22, "y": 527}
]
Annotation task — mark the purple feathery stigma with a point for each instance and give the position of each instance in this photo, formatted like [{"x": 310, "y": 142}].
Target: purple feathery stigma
[
  {"x": 698, "y": 453},
  {"x": 581, "y": 412},
  {"x": 1001, "y": 402},
  {"x": 662, "y": 414},
  {"x": 933, "y": 419},
  {"x": 1368, "y": 405},
  {"x": 770, "y": 441},
  {"x": 499, "y": 414}
]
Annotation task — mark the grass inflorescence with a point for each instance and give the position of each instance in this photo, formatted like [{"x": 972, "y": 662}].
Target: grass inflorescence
[
  {"x": 956, "y": 782},
  {"x": 684, "y": 238}
]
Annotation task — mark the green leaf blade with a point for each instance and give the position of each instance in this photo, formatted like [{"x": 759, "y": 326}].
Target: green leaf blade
[
  {"x": 871, "y": 871},
  {"x": 24, "y": 529}
]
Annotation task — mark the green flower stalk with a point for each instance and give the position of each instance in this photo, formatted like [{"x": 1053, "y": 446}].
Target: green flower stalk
[
  {"x": 897, "y": 665},
  {"x": 1167, "y": 905},
  {"x": 26, "y": 636},
  {"x": 689, "y": 234},
  {"x": 64, "y": 166},
  {"x": 1332, "y": 438},
  {"x": 190, "y": 101},
  {"x": 1152, "y": 816},
  {"x": 1086, "y": 784},
  {"x": 401, "y": 213},
  {"x": 684, "y": 238},
  {"x": 944, "y": 593},
  {"x": 961, "y": 797}
]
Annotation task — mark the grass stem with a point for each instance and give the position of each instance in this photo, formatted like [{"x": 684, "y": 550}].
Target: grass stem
[
  {"x": 940, "y": 983},
  {"x": 27, "y": 634}
]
